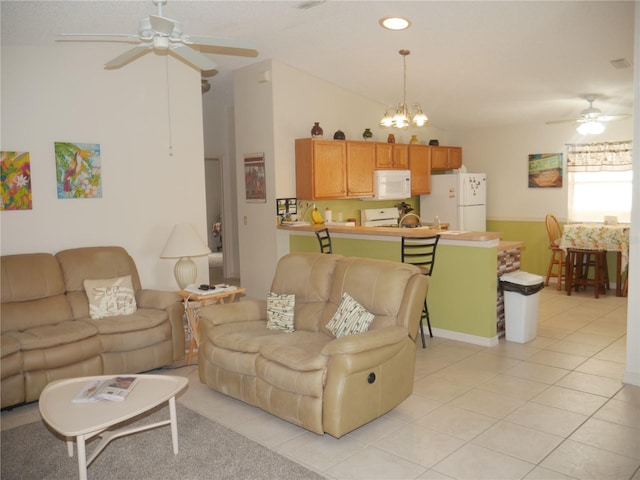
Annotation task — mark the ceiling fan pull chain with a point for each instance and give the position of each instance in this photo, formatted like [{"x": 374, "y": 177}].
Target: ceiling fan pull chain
[{"x": 169, "y": 107}]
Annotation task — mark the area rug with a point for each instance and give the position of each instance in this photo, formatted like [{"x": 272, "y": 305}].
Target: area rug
[{"x": 207, "y": 450}]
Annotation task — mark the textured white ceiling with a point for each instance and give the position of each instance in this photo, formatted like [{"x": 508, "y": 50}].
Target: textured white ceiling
[{"x": 472, "y": 64}]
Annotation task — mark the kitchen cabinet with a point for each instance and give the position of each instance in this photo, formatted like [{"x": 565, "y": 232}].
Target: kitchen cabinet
[
  {"x": 330, "y": 169},
  {"x": 420, "y": 166},
  {"x": 360, "y": 166},
  {"x": 392, "y": 156},
  {"x": 446, "y": 158}
]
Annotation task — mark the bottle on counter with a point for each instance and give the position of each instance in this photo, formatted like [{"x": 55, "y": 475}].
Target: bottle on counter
[
  {"x": 436, "y": 223},
  {"x": 327, "y": 215}
]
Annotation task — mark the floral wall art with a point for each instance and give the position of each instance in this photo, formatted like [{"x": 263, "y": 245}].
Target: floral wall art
[
  {"x": 16, "y": 180},
  {"x": 78, "y": 170}
]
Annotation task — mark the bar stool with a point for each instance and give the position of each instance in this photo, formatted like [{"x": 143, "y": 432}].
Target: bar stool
[
  {"x": 421, "y": 252},
  {"x": 579, "y": 265},
  {"x": 325, "y": 240}
]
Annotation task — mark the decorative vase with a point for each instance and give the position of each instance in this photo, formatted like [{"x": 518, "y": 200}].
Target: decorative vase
[
  {"x": 316, "y": 131},
  {"x": 367, "y": 134},
  {"x": 435, "y": 143},
  {"x": 391, "y": 138},
  {"x": 414, "y": 139},
  {"x": 339, "y": 135}
]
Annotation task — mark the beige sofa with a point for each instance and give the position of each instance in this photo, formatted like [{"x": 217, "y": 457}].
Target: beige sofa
[
  {"x": 309, "y": 377},
  {"x": 47, "y": 333}
]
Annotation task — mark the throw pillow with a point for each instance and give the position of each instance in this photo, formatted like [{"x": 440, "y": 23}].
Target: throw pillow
[
  {"x": 110, "y": 296},
  {"x": 351, "y": 318},
  {"x": 280, "y": 311}
]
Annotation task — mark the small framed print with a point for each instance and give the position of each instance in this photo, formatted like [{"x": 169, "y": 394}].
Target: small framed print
[{"x": 254, "y": 178}]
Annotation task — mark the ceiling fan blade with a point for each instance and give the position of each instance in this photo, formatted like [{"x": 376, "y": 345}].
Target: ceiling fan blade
[
  {"x": 162, "y": 25},
  {"x": 612, "y": 118},
  {"x": 554, "y": 122},
  {"x": 98, "y": 37},
  {"x": 226, "y": 46},
  {"x": 128, "y": 56},
  {"x": 192, "y": 56}
]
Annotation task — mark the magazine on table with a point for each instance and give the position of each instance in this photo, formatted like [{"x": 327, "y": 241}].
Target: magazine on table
[
  {"x": 204, "y": 290},
  {"x": 114, "y": 389}
]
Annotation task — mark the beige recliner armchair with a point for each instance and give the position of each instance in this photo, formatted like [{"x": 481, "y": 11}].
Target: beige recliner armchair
[{"x": 309, "y": 377}]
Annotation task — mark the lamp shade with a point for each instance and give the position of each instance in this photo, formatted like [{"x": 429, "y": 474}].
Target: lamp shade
[{"x": 184, "y": 241}]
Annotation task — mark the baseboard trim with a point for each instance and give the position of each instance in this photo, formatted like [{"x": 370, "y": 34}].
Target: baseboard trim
[
  {"x": 632, "y": 378},
  {"x": 466, "y": 337}
]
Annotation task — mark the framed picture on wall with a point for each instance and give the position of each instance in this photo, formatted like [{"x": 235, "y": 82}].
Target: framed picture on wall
[
  {"x": 78, "y": 170},
  {"x": 254, "y": 178},
  {"x": 545, "y": 170},
  {"x": 15, "y": 172}
]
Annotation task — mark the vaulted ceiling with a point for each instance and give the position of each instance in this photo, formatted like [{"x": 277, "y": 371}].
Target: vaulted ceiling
[{"x": 472, "y": 63}]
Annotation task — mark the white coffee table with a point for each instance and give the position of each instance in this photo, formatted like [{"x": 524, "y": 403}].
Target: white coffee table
[{"x": 86, "y": 420}]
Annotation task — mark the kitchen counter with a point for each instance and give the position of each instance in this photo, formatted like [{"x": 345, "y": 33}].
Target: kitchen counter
[
  {"x": 400, "y": 232},
  {"x": 463, "y": 293}
]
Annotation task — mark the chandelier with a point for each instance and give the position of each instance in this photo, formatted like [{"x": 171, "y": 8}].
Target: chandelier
[{"x": 401, "y": 116}]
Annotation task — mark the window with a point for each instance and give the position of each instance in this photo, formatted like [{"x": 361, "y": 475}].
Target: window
[{"x": 599, "y": 181}]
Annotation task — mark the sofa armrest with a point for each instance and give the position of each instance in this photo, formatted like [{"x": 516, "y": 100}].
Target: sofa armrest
[
  {"x": 172, "y": 304},
  {"x": 365, "y": 341},
  {"x": 149, "y": 298},
  {"x": 247, "y": 310}
]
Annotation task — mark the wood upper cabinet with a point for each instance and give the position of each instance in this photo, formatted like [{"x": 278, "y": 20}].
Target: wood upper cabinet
[
  {"x": 392, "y": 156},
  {"x": 420, "y": 166},
  {"x": 321, "y": 169},
  {"x": 360, "y": 167},
  {"x": 334, "y": 169},
  {"x": 446, "y": 158}
]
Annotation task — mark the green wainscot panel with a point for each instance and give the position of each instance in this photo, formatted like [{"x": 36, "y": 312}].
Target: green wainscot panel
[{"x": 462, "y": 293}]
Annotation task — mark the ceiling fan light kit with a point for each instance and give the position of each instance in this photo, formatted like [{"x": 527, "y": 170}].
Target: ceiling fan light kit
[
  {"x": 590, "y": 128},
  {"x": 402, "y": 116}
]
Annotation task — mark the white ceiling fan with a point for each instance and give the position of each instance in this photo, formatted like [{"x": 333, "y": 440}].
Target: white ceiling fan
[
  {"x": 164, "y": 35},
  {"x": 590, "y": 119}
]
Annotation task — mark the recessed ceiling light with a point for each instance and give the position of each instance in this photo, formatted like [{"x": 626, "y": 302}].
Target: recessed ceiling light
[{"x": 395, "y": 23}]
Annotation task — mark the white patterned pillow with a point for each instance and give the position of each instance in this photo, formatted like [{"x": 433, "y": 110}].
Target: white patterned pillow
[
  {"x": 351, "y": 318},
  {"x": 110, "y": 296},
  {"x": 280, "y": 311}
]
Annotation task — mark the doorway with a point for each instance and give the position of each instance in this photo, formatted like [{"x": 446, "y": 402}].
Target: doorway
[{"x": 215, "y": 223}]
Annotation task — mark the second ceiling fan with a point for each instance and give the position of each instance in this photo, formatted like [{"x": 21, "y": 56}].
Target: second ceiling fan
[{"x": 590, "y": 119}]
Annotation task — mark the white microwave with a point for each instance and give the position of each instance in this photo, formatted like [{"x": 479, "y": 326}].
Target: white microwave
[{"x": 392, "y": 184}]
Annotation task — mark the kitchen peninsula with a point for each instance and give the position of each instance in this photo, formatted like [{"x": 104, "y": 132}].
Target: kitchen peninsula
[{"x": 463, "y": 293}]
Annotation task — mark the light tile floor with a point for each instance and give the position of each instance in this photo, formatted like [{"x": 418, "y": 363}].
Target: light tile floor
[{"x": 553, "y": 408}]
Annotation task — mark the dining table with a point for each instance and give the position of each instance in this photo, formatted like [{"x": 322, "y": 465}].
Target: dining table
[{"x": 601, "y": 236}]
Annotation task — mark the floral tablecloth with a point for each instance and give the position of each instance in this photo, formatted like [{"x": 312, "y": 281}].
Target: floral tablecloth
[{"x": 597, "y": 236}]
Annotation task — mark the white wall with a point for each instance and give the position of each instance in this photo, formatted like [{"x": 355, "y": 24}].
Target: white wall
[
  {"x": 502, "y": 152},
  {"x": 62, "y": 93}
]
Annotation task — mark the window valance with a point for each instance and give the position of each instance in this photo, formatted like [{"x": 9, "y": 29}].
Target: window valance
[{"x": 594, "y": 157}]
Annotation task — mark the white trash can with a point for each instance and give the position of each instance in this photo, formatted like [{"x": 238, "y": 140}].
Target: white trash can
[{"x": 521, "y": 303}]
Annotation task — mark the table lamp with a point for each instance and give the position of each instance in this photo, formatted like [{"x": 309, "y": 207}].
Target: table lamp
[{"x": 183, "y": 243}]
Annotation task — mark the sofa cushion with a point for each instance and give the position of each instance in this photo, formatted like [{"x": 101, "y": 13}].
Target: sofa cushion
[
  {"x": 309, "y": 277},
  {"x": 142, "y": 319},
  {"x": 243, "y": 337},
  {"x": 110, "y": 297},
  {"x": 351, "y": 318},
  {"x": 48, "y": 336},
  {"x": 30, "y": 276},
  {"x": 281, "y": 311},
  {"x": 299, "y": 350}
]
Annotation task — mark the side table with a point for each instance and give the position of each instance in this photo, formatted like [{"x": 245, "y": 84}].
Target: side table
[{"x": 194, "y": 302}]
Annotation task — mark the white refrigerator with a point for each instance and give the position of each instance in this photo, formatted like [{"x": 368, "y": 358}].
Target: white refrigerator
[{"x": 458, "y": 199}]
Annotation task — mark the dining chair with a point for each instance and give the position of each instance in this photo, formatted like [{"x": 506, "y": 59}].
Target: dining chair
[
  {"x": 581, "y": 264},
  {"x": 557, "y": 260},
  {"x": 421, "y": 252},
  {"x": 325, "y": 240}
]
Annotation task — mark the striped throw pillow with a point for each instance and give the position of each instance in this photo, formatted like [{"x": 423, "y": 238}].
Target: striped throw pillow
[
  {"x": 280, "y": 311},
  {"x": 351, "y": 318}
]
